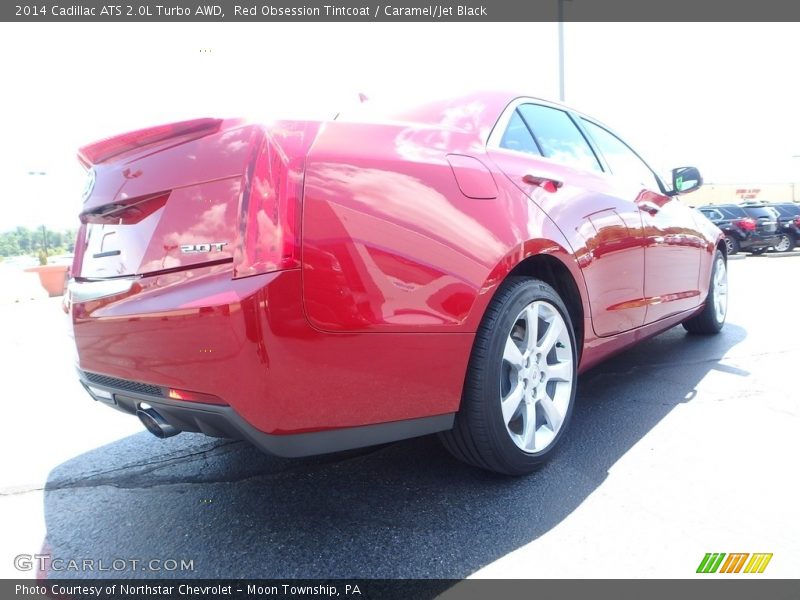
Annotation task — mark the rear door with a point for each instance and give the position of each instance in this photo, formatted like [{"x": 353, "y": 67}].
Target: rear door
[{"x": 535, "y": 144}]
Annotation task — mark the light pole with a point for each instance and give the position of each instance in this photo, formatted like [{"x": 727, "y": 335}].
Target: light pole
[
  {"x": 561, "y": 95},
  {"x": 44, "y": 229}
]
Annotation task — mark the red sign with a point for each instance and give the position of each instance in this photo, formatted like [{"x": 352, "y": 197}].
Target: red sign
[{"x": 748, "y": 194}]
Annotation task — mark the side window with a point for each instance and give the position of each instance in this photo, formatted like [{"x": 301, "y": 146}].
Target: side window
[
  {"x": 733, "y": 212},
  {"x": 518, "y": 137},
  {"x": 558, "y": 137},
  {"x": 623, "y": 161},
  {"x": 712, "y": 214}
]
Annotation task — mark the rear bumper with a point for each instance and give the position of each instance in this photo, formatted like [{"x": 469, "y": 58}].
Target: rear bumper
[
  {"x": 758, "y": 241},
  {"x": 222, "y": 421},
  {"x": 247, "y": 345}
]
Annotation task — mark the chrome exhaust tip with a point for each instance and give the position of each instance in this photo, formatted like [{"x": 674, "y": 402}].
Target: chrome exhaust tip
[{"x": 155, "y": 423}]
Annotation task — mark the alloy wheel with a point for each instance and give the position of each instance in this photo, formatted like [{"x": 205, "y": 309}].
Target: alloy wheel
[
  {"x": 720, "y": 290},
  {"x": 784, "y": 244},
  {"x": 729, "y": 245},
  {"x": 536, "y": 377}
]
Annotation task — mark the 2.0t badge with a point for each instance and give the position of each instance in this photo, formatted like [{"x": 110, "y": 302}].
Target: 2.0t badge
[{"x": 207, "y": 247}]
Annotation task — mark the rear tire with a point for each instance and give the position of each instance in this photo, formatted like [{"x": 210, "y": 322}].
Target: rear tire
[
  {"x": 712, "y": 318},
  {"x": 520, "y": 384},
  {"x": 786, "y": 243}
]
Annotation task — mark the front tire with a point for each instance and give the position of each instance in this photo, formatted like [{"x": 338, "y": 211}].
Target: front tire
[
  {"x": 520, "y": 385},
  {"x": 712, "y": 318}
]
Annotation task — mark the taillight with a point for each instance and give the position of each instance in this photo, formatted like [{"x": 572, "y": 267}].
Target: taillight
[
  {"x": 108, "y": 148},
  {"x": 797, "y": 221},
  {"x": 269, "y": 219},
  {"x": 747, "y": 224}
]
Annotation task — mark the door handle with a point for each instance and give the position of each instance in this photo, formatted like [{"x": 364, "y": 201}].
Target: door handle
[
  {"x": 649, "y": 207},
  {"x": 546, "y": 183}
]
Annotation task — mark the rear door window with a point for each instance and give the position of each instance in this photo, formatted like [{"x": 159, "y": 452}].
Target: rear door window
[{"x": 558, "y": 137}]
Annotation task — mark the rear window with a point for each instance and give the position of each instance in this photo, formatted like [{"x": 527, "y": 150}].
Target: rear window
[
  {"x": 761, "y": 212},
  {"x": 733, "y": 212}
]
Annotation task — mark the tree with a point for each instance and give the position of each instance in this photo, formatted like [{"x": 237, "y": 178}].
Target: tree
[{"x": 30, "y": 241}]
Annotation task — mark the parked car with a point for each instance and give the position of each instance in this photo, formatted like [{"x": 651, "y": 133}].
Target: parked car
[
  {"x": 447, "y": 267},
  {"x": 788, "y": 225},
  {"x": 766, "y": 219},
  {"x": 743, "y": 230}
]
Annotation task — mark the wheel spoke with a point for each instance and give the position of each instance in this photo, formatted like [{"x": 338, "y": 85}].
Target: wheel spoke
[
  {"x": 561, "y": 371},
  {"x": 529, "y": 426},
  {"x": 554, "y": 331},
  {"x": 510, "y": 404},
  {"x": 551, "y": 414},
  {"x": 531, "y": 326},
  {"x": 512, "y": 354}
]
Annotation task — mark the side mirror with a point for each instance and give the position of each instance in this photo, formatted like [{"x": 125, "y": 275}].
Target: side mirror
[{"x": 686, "y": 179}]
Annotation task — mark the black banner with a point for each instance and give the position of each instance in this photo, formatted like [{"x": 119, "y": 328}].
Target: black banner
[{"x": 402, "y": 11}]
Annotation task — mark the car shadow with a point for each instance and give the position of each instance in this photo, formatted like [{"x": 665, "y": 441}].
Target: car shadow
[{"x": 404, "y": 510}]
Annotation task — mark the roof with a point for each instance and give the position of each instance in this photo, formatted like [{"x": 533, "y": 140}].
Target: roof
[{"x": 474, "y": 111}]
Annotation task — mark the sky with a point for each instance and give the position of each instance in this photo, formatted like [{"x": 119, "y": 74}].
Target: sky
[{"x": 719, "y": 96}]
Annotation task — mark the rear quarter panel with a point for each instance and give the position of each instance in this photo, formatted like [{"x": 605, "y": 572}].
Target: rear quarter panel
[{"x": 390, "y": 242}]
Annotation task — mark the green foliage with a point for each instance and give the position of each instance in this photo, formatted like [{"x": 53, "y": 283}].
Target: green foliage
[{"x": 31, "y": 241}]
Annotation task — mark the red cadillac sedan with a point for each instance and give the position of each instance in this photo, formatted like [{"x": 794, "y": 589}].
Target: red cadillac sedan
[{"x": 448, "y": 267}]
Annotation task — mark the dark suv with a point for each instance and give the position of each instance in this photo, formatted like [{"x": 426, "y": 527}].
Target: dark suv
[
  {"x": 788, "y": 225},
  {"x": 753, "y": 230},
  {"x": 767, "y": 222}
]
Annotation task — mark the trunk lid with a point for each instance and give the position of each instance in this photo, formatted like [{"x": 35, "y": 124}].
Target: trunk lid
[{"x": 162, "y": 199}]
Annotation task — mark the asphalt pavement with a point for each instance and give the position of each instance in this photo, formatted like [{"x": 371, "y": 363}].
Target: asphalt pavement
[{"x": 681, "y": 446}]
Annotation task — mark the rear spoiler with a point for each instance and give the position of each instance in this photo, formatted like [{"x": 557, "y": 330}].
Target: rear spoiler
[{"x": 108, "y": 148}]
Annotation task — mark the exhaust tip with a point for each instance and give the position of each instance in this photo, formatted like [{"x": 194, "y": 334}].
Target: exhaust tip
[{"x": 155, "y": 423}]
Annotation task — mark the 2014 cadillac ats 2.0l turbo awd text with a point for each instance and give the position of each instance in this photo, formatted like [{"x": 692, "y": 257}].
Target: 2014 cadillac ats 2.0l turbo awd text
[{"x": 447, "y": 267}]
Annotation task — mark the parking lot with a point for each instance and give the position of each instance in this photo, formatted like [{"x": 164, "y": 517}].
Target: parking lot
[{"x": 681, "y": 446}]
